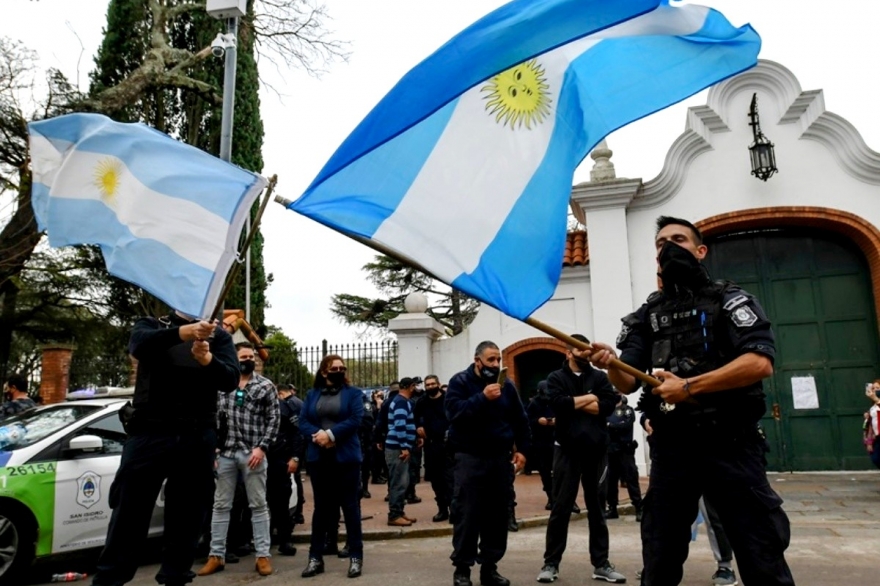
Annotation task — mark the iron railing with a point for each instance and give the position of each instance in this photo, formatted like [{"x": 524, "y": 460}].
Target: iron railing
[{"x": 370, "y": 364}]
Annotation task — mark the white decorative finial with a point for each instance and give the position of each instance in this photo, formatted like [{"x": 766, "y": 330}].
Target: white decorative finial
[
  {"x": 603, "y": 169},
  {"x": 416, "y": 302}
]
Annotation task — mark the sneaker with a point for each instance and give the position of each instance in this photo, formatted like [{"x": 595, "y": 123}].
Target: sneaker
[
  {"x": 607, "y": 572},
  {"x": 724, "y": 577},
  {"x": 549, "y": 573}
]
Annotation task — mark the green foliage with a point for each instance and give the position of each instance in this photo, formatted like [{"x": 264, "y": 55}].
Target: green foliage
[
  {"x": 285, "y": 364},
  {"x": 395, "y": 280}
]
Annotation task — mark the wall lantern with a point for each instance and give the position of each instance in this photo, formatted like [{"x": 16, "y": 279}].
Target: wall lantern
[{"x": 761, "y": 151}]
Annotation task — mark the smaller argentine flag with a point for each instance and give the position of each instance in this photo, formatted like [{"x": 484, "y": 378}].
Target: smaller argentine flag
[
  {"x": 465, "y": 167},
  {"x": 166, "y": 215}
]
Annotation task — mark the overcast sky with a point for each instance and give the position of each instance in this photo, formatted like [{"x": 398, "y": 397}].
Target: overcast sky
[{"x": 829, "y": 46}]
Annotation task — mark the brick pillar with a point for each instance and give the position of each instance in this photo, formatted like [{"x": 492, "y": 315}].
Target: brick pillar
[{"x": 55, "y": 376}]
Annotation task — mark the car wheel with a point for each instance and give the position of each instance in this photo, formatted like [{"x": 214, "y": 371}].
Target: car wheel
[{"x": 16, "y": 543}]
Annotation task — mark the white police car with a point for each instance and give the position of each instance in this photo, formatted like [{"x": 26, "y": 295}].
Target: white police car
[{"x": 55, "y": 480}]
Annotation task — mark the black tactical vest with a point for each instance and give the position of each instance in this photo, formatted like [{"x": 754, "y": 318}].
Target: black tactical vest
[{"x": 689, "y": 337}]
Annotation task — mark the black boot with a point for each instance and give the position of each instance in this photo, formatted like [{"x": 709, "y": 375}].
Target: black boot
[
  {"x": 462, "y": 576},
  {"x": 489, "y": 576},
  {"x": 443, "y": 515},
  {"x": 512, "y": 525},
  {"x": 355, "y": 566},
  {"x": 313, "y": 568}
]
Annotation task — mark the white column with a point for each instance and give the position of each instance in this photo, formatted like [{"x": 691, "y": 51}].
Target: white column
[{"x": 416, "y": 332}]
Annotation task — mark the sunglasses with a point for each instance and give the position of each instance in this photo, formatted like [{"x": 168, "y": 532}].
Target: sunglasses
[{"x": 336, "y": 369}]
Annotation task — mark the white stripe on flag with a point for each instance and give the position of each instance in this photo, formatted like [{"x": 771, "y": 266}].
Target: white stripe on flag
[{"x": 185, "y": 227}]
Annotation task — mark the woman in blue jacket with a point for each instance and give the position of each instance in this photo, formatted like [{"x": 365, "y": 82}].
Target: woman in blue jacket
[{"x": 331, "y": 416}]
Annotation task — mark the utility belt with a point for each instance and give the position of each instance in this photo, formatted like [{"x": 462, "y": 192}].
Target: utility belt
[{"x": 138, "y": 422}]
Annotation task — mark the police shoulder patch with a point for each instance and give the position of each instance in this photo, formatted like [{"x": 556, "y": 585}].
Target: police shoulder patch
[
  {"x": 744, "y": 317},
  {"x": 624, "y": 331}
]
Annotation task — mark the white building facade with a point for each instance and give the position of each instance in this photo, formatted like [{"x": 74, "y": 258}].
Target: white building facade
[{"x": 805, "y": 242}]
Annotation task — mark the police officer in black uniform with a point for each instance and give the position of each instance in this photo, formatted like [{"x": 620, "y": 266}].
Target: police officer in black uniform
[
  {"x": 711, "y": 345},
  {"x": 182, "y": 364},
  {"x": 622, "y": 459},
  {"x": 284, "y": 457}
]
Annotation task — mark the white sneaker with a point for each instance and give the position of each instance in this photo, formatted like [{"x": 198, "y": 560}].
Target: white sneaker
[{"x": 549, "y": 573}]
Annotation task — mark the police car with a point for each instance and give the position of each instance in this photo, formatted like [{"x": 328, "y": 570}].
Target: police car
[{"x": 55, "y": 476}]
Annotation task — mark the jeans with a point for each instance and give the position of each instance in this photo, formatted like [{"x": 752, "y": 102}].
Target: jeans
[
  {"x": 255, "y": 483},
  {"x": 398, "y": 482}
]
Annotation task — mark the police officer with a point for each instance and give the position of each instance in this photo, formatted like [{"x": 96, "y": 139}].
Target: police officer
[
  {"x": 431, "y": 426},
  {"x": 712, "y": 346},
  {"x": 182, "y": 364},
  {"x": 488, "y": 431},
  {"x": 284, "y": 459},
  {"x": 622, "y": 459},
  {"x": 365, "y": 434}
]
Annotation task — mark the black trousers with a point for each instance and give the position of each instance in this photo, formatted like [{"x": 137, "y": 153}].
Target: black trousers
[
  {"x": 415, "y": 471},
  {"x": 584, "y": 467},
  {"x": 543, "y": 463},
  {"x": 336, "y": 485},
  {"x": 186, "y": 463},
  {"x": 479, "y": 510},
  {"x": 278, "y": 492},
  {"x": 366, "y": 465},
  {"x": 438, "y": 469},
  {"x": 729, "y": 469},
  {"x": 622, "y": 466}
]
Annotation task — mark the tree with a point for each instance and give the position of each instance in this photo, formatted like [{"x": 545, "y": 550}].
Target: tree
[
  {"x": 284, "y": 364},
  {"x": 395, "y": 280},
  {"x": 153, "y": 66}
]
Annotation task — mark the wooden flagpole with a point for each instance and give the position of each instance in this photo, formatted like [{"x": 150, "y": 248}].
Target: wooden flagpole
[{"x": 236, "y": 266}]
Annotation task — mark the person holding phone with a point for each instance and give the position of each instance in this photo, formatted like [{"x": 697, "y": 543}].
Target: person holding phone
[
  {"x": 872, "y": 391},
  {"x": 488, "y": 431}
]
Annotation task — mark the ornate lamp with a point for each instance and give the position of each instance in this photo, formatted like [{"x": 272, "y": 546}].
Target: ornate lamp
[{"x": 761, "y": 151}]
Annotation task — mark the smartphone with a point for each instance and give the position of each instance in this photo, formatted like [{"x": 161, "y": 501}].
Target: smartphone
[{"x": 502, "y": 376}]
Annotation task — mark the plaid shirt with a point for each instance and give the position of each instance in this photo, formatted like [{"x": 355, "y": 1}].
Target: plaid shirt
[
  {"x": 255, "y": 422},
  {"x": 16, "y": 406}
]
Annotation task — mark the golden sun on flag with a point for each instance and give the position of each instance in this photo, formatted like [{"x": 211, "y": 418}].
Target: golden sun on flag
[
  {"x": 107, "y": 179},
  {"x": 519, "y": 96}
]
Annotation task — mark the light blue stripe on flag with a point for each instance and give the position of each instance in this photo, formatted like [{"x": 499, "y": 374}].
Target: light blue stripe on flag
[{"x": 477, "y": 192}]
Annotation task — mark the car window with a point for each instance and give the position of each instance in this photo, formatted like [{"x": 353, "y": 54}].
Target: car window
[
  {"x": 110, "y": 430},
  {"x": 30, "y": 427}
]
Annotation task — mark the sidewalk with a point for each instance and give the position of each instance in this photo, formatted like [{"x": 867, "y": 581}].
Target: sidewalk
[{"x": 530, "y": 510}]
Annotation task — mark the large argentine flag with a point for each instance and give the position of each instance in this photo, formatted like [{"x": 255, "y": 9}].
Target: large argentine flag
[
  {"x": 466, "y": 166},
  {"x": 167, "y": 215}
]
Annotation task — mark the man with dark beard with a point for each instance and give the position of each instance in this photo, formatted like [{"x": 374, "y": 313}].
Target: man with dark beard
[{"x": 711, "y": 345}]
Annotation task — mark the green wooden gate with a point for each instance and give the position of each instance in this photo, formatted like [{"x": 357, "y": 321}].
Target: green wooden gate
[{"x": 816, "y": 289}]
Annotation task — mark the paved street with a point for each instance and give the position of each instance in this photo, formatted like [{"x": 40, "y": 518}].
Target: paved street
[{"x": 835, "y": 534}]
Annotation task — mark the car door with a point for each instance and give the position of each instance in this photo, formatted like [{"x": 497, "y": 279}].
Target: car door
[{"x": 82, "y": 486}]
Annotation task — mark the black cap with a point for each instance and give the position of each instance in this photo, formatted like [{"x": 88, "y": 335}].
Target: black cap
[{"x": 406, "y": 382}]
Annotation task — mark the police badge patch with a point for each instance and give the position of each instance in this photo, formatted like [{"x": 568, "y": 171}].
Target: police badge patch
[
  {"x": 744, "y": 317},
  {"x": 624, "y": 331}
]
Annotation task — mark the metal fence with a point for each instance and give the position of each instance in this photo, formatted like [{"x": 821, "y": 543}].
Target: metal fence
[
  {"x": 99, "y": 371},
  {"x": 370, "y": 364}
]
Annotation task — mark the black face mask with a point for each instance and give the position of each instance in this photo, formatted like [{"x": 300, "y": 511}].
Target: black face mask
[
  {"x": 337, "y": 379},
  {"x": 247, "y": 366},
  {"x": 489, "y": 373},
  {"x": 680, "y": 268},
  {"x": 433, "y": 392},
  {"x": 583, "y": 364}
]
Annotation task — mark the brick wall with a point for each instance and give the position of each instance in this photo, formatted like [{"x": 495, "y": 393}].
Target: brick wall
[{"x": 55, "y": 375}]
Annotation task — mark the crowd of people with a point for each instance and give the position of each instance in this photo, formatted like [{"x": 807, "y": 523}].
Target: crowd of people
[{"x": 205, "y": 423}]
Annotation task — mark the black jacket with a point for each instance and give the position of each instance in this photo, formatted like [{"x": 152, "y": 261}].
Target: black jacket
[
  {"x": 539, "y": 407},
  {"x": 172, "y": 389},
  {"x": 482, "y": 427},
  {"x": 577, "y": 429}
]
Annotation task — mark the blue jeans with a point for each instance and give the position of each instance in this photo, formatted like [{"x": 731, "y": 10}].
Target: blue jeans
[
  {"x": 398, "y": 482},
  {"x": 255, "y": 484}
]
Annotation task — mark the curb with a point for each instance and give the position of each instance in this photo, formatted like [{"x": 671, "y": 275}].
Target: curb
[{"x": 446, "y": 528}]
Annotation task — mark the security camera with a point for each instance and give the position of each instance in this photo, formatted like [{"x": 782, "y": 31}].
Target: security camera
[{"x": 218, "y": 46}]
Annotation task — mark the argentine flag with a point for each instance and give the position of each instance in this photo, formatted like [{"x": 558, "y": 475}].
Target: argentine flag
[
  {"x": 167, "y": 215},
  {"x": 465, "y": 167}
]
